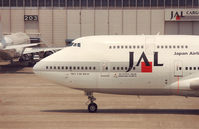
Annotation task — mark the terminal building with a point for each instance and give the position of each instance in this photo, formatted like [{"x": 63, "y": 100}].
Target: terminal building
[{"x": 56, "y": 20}]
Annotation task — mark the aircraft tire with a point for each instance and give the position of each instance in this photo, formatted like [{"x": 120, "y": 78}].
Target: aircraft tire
[{"x": 92, "y": 107}]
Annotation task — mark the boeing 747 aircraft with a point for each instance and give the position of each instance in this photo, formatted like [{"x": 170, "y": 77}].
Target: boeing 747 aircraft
[{"x": 128, "y": 65}]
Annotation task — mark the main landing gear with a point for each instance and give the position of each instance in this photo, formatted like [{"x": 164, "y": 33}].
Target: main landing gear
[{"x": 92, "y": 107}]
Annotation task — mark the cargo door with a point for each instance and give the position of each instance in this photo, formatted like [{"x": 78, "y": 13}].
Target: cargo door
[{"x": 178, "y": 68}]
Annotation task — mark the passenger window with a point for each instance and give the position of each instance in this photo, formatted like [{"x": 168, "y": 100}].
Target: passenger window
[
  {"x": 133, "y": 46},
  {"x": 190, "y": 68},
  {"x": 89, "y": 68},
  {"x": 122, "y": 47},
  {"x": 126, "y": 47},
  {"x": 50, "y": 67},
  {"x": 54, "y": 67},
  {"x": 58, "y": 67},
  {"x": 186, "y": 68},
  {"x": 174, "y": 46},
  {"x": 78, "y": 67},
  {"x": 122, "y": 68},
  {"x": 162, "y": 46},
  {"x": 186, "y": 46},
  {"x": 86, "y": 68},
  {"x": 113, "y": 47},
  {"x": 138, "y": 47},
  {"x": 113, "y": 68},
  {"x": 94, "y": 68},
  {"x": 178, "y": 46},
  {"x": 158, "y": 46},
  {"x": 133, "y": 68},
  {"x": 79, "y": 44},
  {"x": 194, "y": 68},
  {"x": 74, "y": 68},
  {"x": 46, "y": 67},
  {"x": 180, "y": 68},
  {"x": 166, "y": 47},
  {"x": 62, "y": 67},
  {"x": 82, "y": 68},
  {"x": 70, "y": 67},
  {"x": 106, "y": 68},
  {"x": 118, "y": 47},
  {"x": 142, "y": 47},
  {"x": 118, "y": 68},
  {"x": 110, "y": 47},
  {"x": 170, "y": 47},
  {"x": 66, "y": 67},
  {"x": 126, "y": 68},
  {"x": 182, "y": 46},
  {"x": 130, "y": 47}
]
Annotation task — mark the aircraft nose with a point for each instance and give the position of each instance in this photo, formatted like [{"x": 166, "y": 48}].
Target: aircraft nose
[{"x": 37, "y": 67}]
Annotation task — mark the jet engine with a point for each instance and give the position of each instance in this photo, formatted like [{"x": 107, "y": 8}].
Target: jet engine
[
  {"x": 185, "y": 86},
  {"x": 16, "y": 39}
]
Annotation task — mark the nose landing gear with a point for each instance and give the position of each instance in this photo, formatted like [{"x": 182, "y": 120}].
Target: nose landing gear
[{"x": 92, "y": 107}]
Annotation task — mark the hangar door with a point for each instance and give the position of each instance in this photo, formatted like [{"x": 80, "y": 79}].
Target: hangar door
[{"x": 183, "y": 28}]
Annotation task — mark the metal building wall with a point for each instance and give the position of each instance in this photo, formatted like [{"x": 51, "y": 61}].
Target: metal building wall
[
  {"x": 73, "y": 24},
  {"x": 6, "y": 21},
  {"x": 33, "y": 26},
  {"x": 129, "y": 22},
  {"x": 157, "y": 21},
  {"x": 101, "y": 22},
  {"x": 46, "y": 26},
  {"x": 59, "y": 27},
  {"x": 17, "y": 16},
  {"x": 55, "y": 25},
  {"x": 183, "y": 28},
  {"x": 115, "y": 22},
  {"x": 87, "y": 22}
]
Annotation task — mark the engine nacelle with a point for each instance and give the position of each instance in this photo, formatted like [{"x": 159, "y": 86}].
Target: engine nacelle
[
  {"x": 16, "y": 39},
  {"x": 186, "y": 84},
  {"x": 186, "y": 87},
  {"x": 194, "y": 85}
]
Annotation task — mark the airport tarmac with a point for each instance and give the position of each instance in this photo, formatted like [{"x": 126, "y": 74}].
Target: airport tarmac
[{"x": 29, "y": 102}]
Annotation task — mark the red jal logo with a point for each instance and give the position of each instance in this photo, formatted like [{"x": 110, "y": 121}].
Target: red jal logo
[
  {"x": 146, "y": 66},
  {"x": 176, "y": 15}
]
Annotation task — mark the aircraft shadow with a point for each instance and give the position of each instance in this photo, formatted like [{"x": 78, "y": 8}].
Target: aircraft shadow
[{"x": 133, "y": 111}]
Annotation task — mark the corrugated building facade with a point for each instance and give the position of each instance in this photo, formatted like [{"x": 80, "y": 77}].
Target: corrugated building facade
[{"x": 56, "y": 20}]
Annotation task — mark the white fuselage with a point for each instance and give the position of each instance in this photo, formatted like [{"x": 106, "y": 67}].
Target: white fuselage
[{"x": 137, "y": 65}]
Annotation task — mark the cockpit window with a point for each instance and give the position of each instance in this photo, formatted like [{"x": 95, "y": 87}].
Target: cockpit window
[
  {"x": 78, "y": 44},
  {"x": 74, "y": 44}
]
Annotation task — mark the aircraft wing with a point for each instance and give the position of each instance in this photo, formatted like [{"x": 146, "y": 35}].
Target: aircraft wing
[
  {"x": 40, "y": 49},
  {"x": 20, "y": 46}
]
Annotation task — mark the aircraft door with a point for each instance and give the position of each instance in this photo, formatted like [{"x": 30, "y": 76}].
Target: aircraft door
[
  {"x": 149, "y": 45},
  {"x": 178, "y": 69},
  {"x": 104, "y": 79},
  {"x": 104, "y": 69}
]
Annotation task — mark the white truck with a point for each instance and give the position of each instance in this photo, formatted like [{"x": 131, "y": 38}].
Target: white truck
[{"x": 34, "y": 54}]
